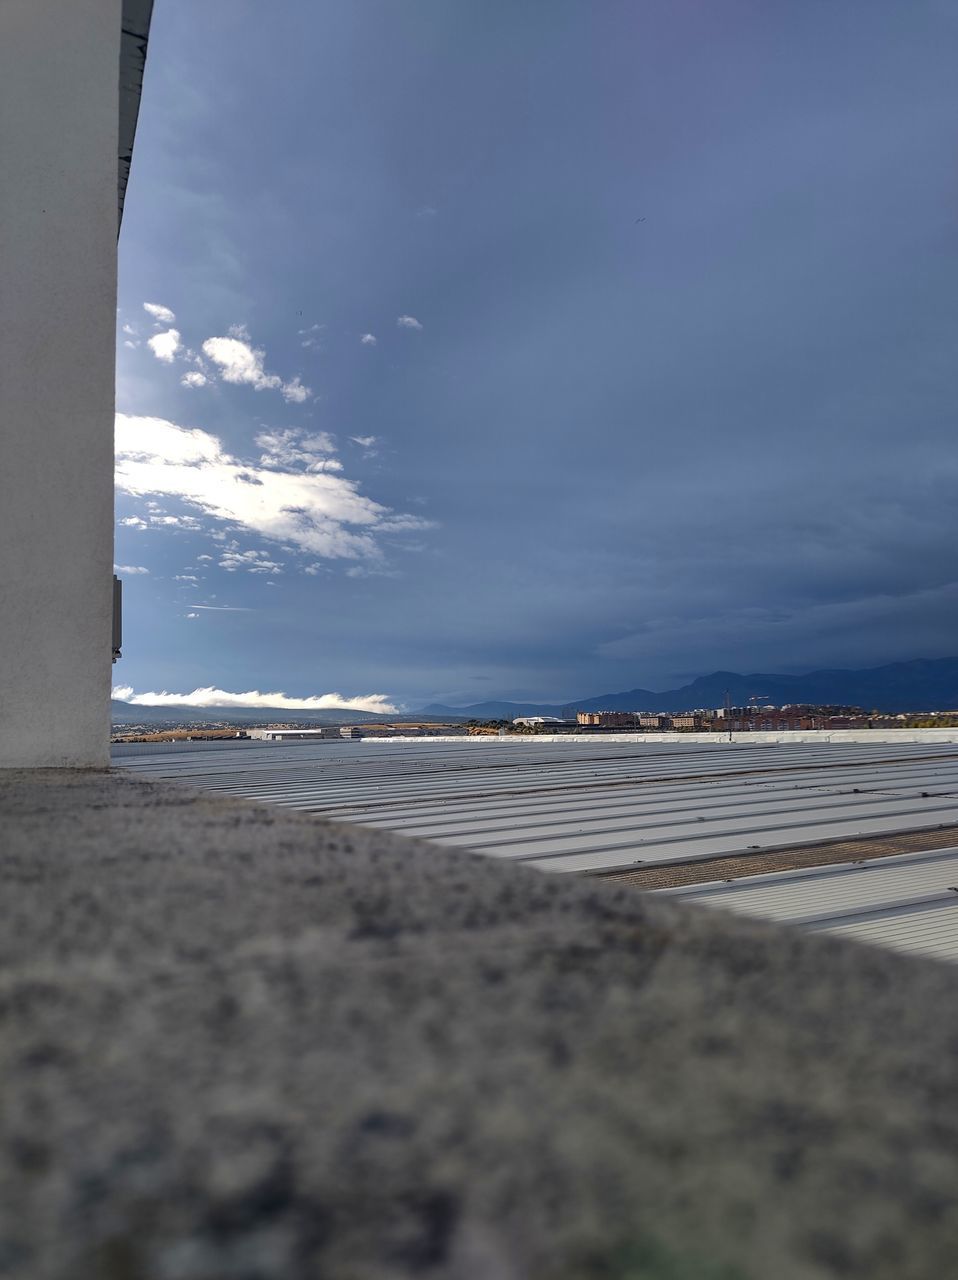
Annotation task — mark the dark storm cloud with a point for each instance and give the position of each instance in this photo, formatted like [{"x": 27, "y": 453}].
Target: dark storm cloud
[{"x": 721, "y": 436}]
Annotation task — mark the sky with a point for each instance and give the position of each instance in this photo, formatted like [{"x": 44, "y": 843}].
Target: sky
[{"x": 535, "y": 351}]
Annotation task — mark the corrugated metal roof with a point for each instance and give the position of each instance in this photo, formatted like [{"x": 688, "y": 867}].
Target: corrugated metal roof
[
  {"x": 588, "y": 805},
  {"x": 907, "y": 902}
]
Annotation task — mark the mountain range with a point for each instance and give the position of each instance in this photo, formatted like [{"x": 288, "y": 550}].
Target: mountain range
[
  {"x": 128, "y": 713},
  {"x": 919, "y": 685}
]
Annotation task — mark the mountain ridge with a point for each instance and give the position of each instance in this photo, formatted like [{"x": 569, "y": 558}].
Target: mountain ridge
[
  {"x": 922, "y": 684},
  {"x": 163, "y": 714}
]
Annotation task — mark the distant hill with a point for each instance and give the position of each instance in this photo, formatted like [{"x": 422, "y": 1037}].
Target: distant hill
[
  {"x": 163, "y": 716},
  {"x": 920, "y": 685}
]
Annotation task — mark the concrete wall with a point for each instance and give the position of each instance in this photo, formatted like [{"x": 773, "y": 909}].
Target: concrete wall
[{"x": 58, "y": 226}]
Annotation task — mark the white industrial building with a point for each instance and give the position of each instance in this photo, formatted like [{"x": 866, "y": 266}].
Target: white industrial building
[
  {"x": 540, "y": 722},
  {"x": 70, "y": 75},
  {"x": 297, "y": 735}
]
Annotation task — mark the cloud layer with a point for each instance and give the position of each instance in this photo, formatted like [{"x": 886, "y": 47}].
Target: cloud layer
[
  {"x": 212, "y": 697},
  {"x": 293, "y": 494},
  {"x": 721, "y": 437}
]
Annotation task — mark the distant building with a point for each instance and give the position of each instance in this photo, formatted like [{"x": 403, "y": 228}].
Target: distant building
[
  {"x": 403, "y": 731},
  {"x": 529, "y": 721},
  {"x": 767, "y": 722},
  {"x": 687, "y": 722},
  {"x": 655, "y": 722},
  {"x": 647, "y": 721},
  {"x": 544, "y": 724},
  {"x": 291, "y": 735}
]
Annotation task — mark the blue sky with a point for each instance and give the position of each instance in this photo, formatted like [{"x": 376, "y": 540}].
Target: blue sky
[{"x": 436, "y": 418}]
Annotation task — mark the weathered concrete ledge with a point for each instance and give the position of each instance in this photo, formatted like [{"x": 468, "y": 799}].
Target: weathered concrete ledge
[{"x": 243, "y": 1044}]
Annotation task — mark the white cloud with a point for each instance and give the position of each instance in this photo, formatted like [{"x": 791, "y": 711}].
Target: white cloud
[
  {"x": 194, "y": 379},
  {"x": 134, "y": 522},
  {"x": 192, "y": 615},
  {"x": 251, "y": 561},
  {"x": 426, "y": 211},
  {"x": 185, "y": 577},
  {"x": 165, "y": 345},
  {"x": 408, "y": 322},
  {"x": 176, "y": 522},
  {"x": 285, "y": 498},
  {"x": 374, "y": 571},
  {"x": 367, "y": 444},
  {"x": 312, "y": 336},
  {"x": 212, "y": 697},
  {"x": 155, "y": 439},
  {"x": 132, "y": 345},
  {"x": 405, "y": 524},
  {"x": 223, "y": 608},
  {"x": 204, "y": 557},
  {"x": 294, "y": 392},
  {"x": 159, "y": 313},
  {"x": 129, "y": 569},
  {"x": 293, "y": 448},
  {"x": 368, "y": 339},
  {"x": 241, "y": 363},
  {"x": 128, "y": 328}
]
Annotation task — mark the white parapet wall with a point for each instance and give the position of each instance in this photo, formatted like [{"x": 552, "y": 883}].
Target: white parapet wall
[
  {"x": 715, "y": 739},
  {"x": 59, "y": 62},
  {"x": 789, "y": 735}
]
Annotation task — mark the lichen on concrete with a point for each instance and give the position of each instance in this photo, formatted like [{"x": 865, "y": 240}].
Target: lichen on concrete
[{"x": 243, "y": 1044}]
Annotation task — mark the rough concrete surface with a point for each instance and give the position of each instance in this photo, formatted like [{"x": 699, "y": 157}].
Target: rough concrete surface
[{"x": 243, "y": 1044}]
